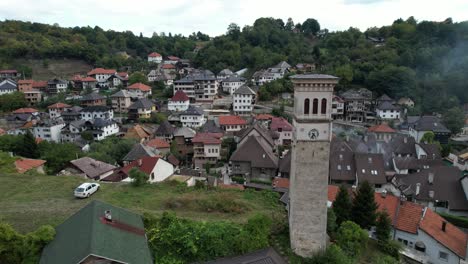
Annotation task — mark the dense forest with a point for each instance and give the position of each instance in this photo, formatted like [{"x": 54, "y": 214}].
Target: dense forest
[{"x": 425, "y": 60}]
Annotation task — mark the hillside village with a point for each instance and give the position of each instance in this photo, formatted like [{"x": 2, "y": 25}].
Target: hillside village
[{"x": 195, "y": 126}]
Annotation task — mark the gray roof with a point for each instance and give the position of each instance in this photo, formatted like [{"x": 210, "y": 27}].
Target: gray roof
[
  {"x": 253, "y": 151},
  {"x": 193, "y": 110},
  {"x": 138, "y": 151},
  {"x": 366, "y": 163},
  {"x": 86, "y": 233},
  {"x": 432, "y": 150},
  {"x": 244, "y": 89},
  {"x": 92, "y": 96},
  {"x": 234, "y": 78},
  {"x": 430, "y": 123},
  {"x": 342, "y": 165},
  {"x": 446, "y": 186},
  {"x": 264, "y": 256},
  {"x": 361, "y": 93},
  {"x": 285, "y": 163},
  {"x": 265, "y": 133},
  {"x": 211, "y": 127},
  {"x": 225, "y": 72},
  {"x": 6, "y": 86},
  {"x": 74, "y": 110},
  {"x": 91, "y": 167},
  {"x": 165, "y": 129},
  {"x": 186, "y": 132},
  {"x": 387, "y": 105},
  {"x": 121, "y": 93},
  {"x": 141, "y": 103},
  {"x": 403, "y": 145},
  {"x": 385, "y": 97},
  {"x": 78, "y": 123},
  {"x": 282, "y": 65},
  {"x": 313, "y": 76},
  {"x": 99, "y": 122}
]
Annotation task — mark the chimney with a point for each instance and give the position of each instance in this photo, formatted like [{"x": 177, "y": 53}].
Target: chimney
[
  {"x": 418, "y": 188},
  {"x": 444, "y": 225},
  {"x": 405, "y": 140},
  {"x": 430, "y": 177},
  {"x": 366, "y": 138},
  {"x": 383, "y": 194},
  {"x": 140, "y": 162},
  {"x": 108, "y": 215},
  {"x": 431, "y": 194}
]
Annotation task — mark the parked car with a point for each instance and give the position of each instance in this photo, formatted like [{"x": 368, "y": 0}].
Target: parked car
[{"x": 86, "y": 189}]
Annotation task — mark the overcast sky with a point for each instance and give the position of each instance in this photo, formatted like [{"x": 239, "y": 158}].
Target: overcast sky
[{"x": 213, "y": 16}]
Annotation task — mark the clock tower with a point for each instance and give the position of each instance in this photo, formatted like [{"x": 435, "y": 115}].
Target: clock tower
[{"x": 310, "y": 156}]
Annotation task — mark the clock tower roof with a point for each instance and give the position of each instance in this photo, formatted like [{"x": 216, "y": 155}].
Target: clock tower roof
[{"x": 313, "y": 76}]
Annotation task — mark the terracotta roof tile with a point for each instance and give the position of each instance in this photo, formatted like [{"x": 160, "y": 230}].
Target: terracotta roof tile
[
  {"x": 280, "y": 183},
  {"x": 382, "y": 128},
  {"x": 140, "y": 86},
  {"x": 25, "y": 111},
  {"x": 158, "y": 143},
  {"x": 88, "y": 79},
  {"x": 332, "y": 192},
  {"x": 58, "y": 105},
  {"x": 23, "y": 165},
  {"x": 180, "y": 96},
  {"x": 409, "y": 215},
  {"x": 388, "y": 203},
  {"x": 279, "y": 122},
  {"x": 101, "y": 71},
  {"x": 154, "y": 54},
  {"x": 25, "y": 81},
  {"x": 207, "y": 138},
  {"x": 231, "y": 120},
  {"x": 8, "y": 71},
  {"x": 173, "y": 58},
  {"x": 147, "y": 165},
  {"x": 264, "y": 117},
  {"x": 39, "y": 84},
  {"x": 168, "y": 66},
  {"x": 453, "y": 238}
]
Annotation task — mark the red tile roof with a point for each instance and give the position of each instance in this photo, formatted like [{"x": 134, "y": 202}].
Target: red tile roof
[
  {"x": 8, "y": 71},
  {"x": 207, "y": 138},
  {"x": 453, "y": 238},
  {"x": 231, "y": 120},
  {"x": 382, "y": 128},
  {"x": 39, "y": 84},
  {"x": 123, "y": 74},
  {"x": 58, "y": 105},
  {"x": 23, "y": 165},
  {"x": 279, "y": 122},
  {"x": 25, "y": 111},
  {"x": 158, "y": 143},
  {"x": 173, "y": 58},
  {"x": 280, "y": 183},
  {"x": 409, "y": 215},
  {"x": 88, "y": 79},
  {"x": 147, "y": 165},
  {"x": 332, "y": 192},
  {"x": 2, "y": 132},
  {"x": 168, "y": 66},
  {"x": 180, "y": 96},
  {"x": 101, "y": 71},
  {"x": 25, "y": 81},
  {"x": 389, "y": 203},
  {"x": 154, "y": 54},
  {"x": 264, "y": 117},
  {"x": 140, "y": 86}
]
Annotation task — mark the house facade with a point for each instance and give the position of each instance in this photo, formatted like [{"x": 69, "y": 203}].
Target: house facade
[
  {"x": 7, "y": 86},
  {"x": 55, "y": 110},
  {"x": 93, "y": 112},
  {"x": 243, "y": 100},
  {"x": 206, "y": 149},
  {"x": 179, "y": 102},
  {"x": 358, "y": 105},
  {"x": 193, "y": 117},
  {"x": 232, "y": 123},
  {"x": 155, "y": 57},
  {"x": 141, "y": 109},
  {"x": 232, "y": 83},
  {"x": 121, "y": 100},
  {"x": 49, "y": 130},
  {"x": 139, "y": 90}
]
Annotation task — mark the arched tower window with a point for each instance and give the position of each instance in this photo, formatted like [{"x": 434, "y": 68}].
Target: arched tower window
[
  {"x": 323, "y": 109},
  {"x": 315, "y": 107},
  {"x": 306, "y": 106}
]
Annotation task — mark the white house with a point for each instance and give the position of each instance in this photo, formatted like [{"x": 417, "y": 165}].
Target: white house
[
  {"x": 101, "y": 75},
  {"x": 101, "y": 128},
  {"x": 8, "y": 86},
  {"x": 155, "y": 57},
  {"x": 179, "y": 102},
  {"x": 193, "y": 117},
  {"x": 273, "y": 73},
  {"x": 243, "y": 100},
  {"x": 49, "y": 130},
  {"x": 231, "y": 123},
  {"x": 56, "y": 86},
  {"x": 72, "y": 131},
  {"x": 388, "y": 111},
  {"x": 55, "y": 110},
  {"x": 98, "y": 111},
  {"x": 156, "y": 168},
  {"x": 139, "y": 90},
  {"x": 232, "y": 83}
]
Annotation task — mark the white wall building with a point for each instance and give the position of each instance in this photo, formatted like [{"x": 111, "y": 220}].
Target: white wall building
[
  {"x": 243, "y": 100},
  {"x": 98, "y": 111},
  {"x": 8, "y": 86},
  {"x": 155, "y": 57},
  {"x": 193, "y": 117},
  {"x": 232, "y": 83},
  {"x": 387, "y": 110},
  {"x": 49, "y": 130},
  {"x": 179, "y": 102}
]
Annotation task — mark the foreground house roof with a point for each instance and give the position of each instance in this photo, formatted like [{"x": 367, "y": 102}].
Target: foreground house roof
[
  {"x": 23, "y": 165},
  {"x": 145, "y": 164},
  {"x": 91, "y": 167},
  {"x": 138, "y": 151},
  {"x": 382, "y": 128},
  {"x": 279, "y": 123},
  {"x": 87, "y": 234},
  {"x": 259, "y": 155},
  {"x": 208, "y": 138},
  {"x": 231, "y": 120}
]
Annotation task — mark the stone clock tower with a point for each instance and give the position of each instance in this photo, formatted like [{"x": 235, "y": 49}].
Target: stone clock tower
[{"x": 309, "y": 162}]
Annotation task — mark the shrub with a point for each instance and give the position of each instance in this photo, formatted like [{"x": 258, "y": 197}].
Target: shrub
[
  {"x": 333, "y": 255},
  {"x": 391, "y": 248},
  {"x": 138, "y": 177},
  {"x": 351, "y": 238},
  {"x": 238, "y": 179}
]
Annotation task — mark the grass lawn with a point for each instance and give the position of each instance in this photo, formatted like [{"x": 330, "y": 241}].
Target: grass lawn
[{"x": 28, "y": 201}]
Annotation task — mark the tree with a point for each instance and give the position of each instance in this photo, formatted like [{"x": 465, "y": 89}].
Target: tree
[
  {"x": 58, "y": 155},
  {"x": 383, "y": 227},
  {"x": 351, "y": 238},
  {"x": 364, "y": 206},
  {"x": 28, "y": 147},
  {"x": 331, "y": 223},
  {"x": 342, "y": 206},
  {"x": 428, "y": 137},
  {"x": 12, "y": 101},
  {"x": 138, "y": 177},
  {"x": 137, "y": 77},
  {"x": 454, "y": 119},
  {"x": 345, "y": 72},
  {"x": 310, "y": 26},
  {"x": 289, "y": 25},
  {"x": 87, "y": 135}
]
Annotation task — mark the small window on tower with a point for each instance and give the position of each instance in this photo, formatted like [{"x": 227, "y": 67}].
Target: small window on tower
[
  {"x": 323, "y": 109},
  {"x": 315, "y": 107},
  {"x": 306, "y": 106}
]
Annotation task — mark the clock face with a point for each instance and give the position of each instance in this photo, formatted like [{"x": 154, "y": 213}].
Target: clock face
[{"x": 313, "y": 134}]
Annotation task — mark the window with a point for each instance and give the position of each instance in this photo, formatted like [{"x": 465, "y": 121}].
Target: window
[
  {"x": 323, "y": 108},
  {"x": 443, "y": 255},
  {"x": 306, "y": 106},
  {"x": 363, "y": 170},
  {"x": 315, "y": 107},
  {"x": 348, "y": 167},
  {"x": 339, "y": 167}
]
